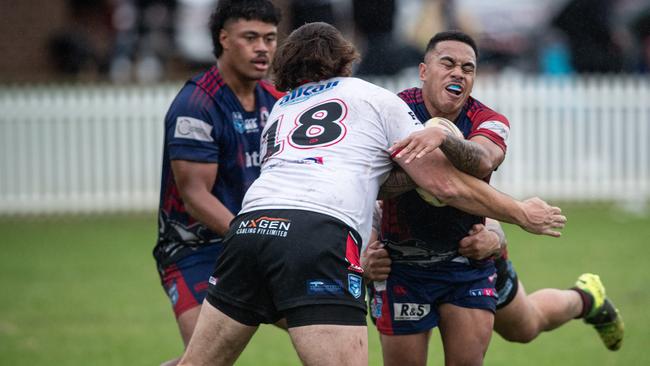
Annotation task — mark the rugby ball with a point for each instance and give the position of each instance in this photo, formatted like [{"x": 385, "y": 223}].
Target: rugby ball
[{"x": 451, "y": 127}]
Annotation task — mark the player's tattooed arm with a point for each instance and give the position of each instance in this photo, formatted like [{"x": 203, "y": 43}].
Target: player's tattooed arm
[
  {"x": 464, "y": 155},
  {"x": 398, "y": 182}
]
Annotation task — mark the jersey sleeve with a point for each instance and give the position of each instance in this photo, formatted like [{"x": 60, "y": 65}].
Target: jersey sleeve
[
  {"x": 398, "y": 119},
  {"x": 193, "y": 127},
  {"x": 492, "y": 125}
]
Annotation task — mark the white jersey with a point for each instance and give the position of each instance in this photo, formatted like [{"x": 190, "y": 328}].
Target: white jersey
[{"x": 325, "y": 149}]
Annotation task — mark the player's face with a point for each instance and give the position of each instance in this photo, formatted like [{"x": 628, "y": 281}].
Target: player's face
[
  {"x": 448, "y": 77},
  {"x": 248, "y": 47}
]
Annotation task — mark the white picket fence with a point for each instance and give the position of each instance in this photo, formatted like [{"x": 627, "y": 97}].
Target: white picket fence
[{"x": 79, "y": 149}]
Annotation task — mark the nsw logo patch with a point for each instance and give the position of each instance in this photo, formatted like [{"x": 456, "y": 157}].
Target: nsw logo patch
[{"x": 354, "y": 285}]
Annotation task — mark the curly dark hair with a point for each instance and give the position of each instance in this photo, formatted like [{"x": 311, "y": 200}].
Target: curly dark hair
[
  {"x": 226, "y": 10},
  {"x": 313, "y": 52}
]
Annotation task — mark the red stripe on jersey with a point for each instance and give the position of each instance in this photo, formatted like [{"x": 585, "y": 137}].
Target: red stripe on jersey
[
  {"x": 352, "y": 255},
  {"x": 196, "y": 90},
  {"x": 492, "y": 136},
  {"x": 213, "y": 82},
  {"x": 411, "y": 96},
  {"x": 271, "y": 89},
  {"x": 172, "y": 200}
]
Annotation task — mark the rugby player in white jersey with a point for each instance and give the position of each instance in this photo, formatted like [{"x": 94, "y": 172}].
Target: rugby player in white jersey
[{"x": 293, "y": 250}]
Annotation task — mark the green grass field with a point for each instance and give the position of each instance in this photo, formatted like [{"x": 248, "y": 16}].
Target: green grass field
[{"x": 84, "y": 291}]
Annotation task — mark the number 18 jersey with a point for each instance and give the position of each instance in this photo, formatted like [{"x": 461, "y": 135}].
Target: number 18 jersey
[{"x": 324, "y": 150}]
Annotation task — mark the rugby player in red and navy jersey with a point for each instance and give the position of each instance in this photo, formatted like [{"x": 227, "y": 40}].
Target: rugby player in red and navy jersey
[
  {"x": 437, "y": 261},
  {"x": 211, "y": 151}
]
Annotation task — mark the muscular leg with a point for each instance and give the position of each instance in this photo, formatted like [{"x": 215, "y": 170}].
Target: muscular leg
[
  {"x": 187, "y": 322},
  {"x": 526, "y": 316},
  {"x": 322, "y": 345},
  {"x": 217, "y": 339},
  {"x": 465, "y": 334},
  {"x": 405, "y": 350}
]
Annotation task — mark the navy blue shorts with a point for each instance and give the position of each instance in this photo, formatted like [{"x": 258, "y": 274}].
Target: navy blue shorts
[
  {"x": 186, "y": 280},
  {"x": 407, "y": 303}
]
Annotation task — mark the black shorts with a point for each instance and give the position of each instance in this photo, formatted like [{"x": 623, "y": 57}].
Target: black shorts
[
  {"x": 277, "y": 261},
  {"x": 507, "y": 282}
]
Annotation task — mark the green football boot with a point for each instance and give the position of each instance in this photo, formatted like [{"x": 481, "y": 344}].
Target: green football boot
[{"x": 603, "y": 315}]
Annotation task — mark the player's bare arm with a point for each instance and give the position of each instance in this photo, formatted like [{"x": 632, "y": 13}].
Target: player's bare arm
[
  {"x": 478, "y": 156},
  {"x": 195, "y": 181},
  {"x": 436, "y": 174}
]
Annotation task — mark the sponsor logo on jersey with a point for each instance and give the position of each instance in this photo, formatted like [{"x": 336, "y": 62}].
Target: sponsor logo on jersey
[
  {"x": 412, "y": 116},
  {"x": 241, "y": 125},
  {"x": 354, "y": 285},
  {"x": 320, "y": 287},
  {"x": 307, "y": 91},
  {"x": 375, "y": 306},
  {"x": 272, "y": 226},
  {"x": 172, "y": 292},
  {"x": 312, "y": 160},
  {"x": 252, "y": 159},
  {"x": 483, "y": 292},
  {"x": 193, "y": 129},
  {"x": 410, "y": 311}
]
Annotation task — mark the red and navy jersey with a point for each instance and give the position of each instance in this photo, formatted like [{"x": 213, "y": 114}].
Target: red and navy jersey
[
  {"x": 207, "y": 123},
  {"x": 408, "y": 217}
]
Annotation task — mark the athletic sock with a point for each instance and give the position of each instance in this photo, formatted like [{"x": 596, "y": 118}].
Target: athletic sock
[{"x": 587, "y": 301}]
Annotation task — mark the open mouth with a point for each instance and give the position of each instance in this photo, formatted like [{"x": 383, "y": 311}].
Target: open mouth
[
  {"x": 455, "y": 89},
  {"x": 261, "y": 63}
]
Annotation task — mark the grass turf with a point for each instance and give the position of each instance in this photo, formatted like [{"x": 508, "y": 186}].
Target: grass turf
[{"x": 84, "y": 291}]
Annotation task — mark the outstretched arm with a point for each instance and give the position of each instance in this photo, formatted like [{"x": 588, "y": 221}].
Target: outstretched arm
[{"x": 434, "y": 173}]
